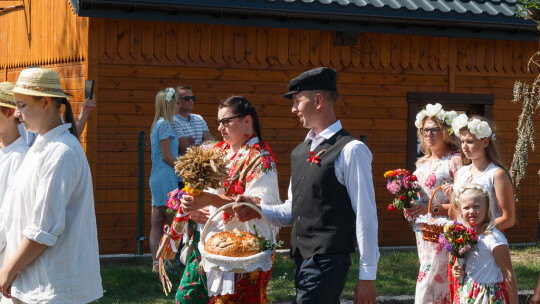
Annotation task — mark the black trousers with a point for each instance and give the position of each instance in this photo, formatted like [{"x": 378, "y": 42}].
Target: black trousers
[{"x": 320, "y": 279}]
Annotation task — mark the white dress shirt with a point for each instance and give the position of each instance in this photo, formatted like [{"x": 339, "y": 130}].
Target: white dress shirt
[
  {"x": 51, "y": 202},
  {"x": 11, "y": 158},
  {"x": 353, "y": 170}
]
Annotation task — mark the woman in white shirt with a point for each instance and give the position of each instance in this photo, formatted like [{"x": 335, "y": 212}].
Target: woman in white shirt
[
  {"x": 52, "y": 250},
  {"x": 12, "y": 151}
]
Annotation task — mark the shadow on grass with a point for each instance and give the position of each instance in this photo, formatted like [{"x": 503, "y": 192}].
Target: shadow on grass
[{"x": 397, "y": 273}]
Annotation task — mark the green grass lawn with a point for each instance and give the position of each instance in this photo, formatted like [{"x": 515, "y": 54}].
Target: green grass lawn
[{"x": 396, "y": 275}]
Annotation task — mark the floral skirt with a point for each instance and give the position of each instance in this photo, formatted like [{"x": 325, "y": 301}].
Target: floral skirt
[
  {"x": 249, "y": 288},
  {"x": 475, "y": 293},
  {"x": 192, "y": 288},
  {"x": 432, "y": 283}
]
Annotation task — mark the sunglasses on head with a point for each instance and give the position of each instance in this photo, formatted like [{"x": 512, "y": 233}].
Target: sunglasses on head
[
  {"x": 187, "y": 98},
  {"x": 225, "y": 121}
]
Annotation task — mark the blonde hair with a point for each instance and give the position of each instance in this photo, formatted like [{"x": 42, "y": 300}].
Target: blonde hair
[
  {"x": 165, "y": 108},
  {"x": 479, "y": 190},
  {"x": 448, "y": 136},
  {"x": 492, "y": 150}
]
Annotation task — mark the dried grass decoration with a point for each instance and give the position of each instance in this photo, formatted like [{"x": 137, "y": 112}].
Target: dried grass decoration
[{"x": 201, "y": 167}]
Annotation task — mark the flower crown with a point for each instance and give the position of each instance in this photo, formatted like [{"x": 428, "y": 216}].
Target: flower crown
[
  {"x": 170, "y": 94},
  {"x": 477, "y": 127},
  {"x": 476, "y": 187},
  {"x": 437, "y": 112}
]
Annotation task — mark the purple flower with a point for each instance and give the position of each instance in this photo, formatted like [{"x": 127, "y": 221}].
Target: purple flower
[
  {"x": 449, "y": 247},
  {"x": 442, "y": 240}
]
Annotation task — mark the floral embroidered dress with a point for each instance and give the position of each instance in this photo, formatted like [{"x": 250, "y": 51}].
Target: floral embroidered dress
[
  {"x": 252, "y": 172},
  {"x": 432, "y": 284}
]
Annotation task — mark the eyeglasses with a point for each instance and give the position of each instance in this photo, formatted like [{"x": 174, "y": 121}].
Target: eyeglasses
[
  {"x": 426, "y": 131},
  {"x": 187, "y": 98},
  {"x": 225, "y": 121}
]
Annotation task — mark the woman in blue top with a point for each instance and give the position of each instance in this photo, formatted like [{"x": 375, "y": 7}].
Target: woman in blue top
[{"x": 163, "y": 179}]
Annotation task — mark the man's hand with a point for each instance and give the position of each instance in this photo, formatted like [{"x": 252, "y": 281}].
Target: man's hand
[
  {"x": 365, "y": 292},
  {"x": 244, "y": 213}
]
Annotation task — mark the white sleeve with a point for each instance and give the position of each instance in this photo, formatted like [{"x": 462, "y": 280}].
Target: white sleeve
[
  {"x": 353, "y": 169},
  {"x": 279, "y": 215},
  {"x": 48, "y": 217}
]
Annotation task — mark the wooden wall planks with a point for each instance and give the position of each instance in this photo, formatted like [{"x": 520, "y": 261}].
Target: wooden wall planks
[
  {"x": 135, "y": 59},
  {"x": 37, "y": 37},
  {"x": 375, "y": 76}
]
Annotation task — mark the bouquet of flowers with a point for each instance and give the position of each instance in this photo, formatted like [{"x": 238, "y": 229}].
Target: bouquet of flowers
[
  {"x": 402, "y": 184},
  {"x": 201, "y": 167},
  {"x": 458, "y": 240}
]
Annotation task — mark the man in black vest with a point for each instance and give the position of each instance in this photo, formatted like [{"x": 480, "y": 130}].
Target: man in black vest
[{"x": 331, "y": 198}]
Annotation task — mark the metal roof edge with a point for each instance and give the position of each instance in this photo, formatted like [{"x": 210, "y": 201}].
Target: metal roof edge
[
  {"x": 75, "y": 6},
  {"x": 420, "y": 24}
]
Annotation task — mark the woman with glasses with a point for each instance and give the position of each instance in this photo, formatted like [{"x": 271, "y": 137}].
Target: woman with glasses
[
  {"x": 252, "y": 172},
  {"x": 163, "y": 179},
  {"x": 440, "y": 162}
]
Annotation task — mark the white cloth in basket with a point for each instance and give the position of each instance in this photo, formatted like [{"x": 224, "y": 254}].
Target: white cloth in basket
[{"x": 216, "y": 267}]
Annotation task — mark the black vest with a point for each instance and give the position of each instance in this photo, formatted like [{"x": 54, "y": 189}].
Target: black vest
[{"x": 323, "y": 218}]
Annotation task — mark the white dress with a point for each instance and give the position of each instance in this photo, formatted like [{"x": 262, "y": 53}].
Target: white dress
[
  {"x": 51, "y": 202},
  {"x": 485, "y": 179},
  {"x": 432, "y": 283}
]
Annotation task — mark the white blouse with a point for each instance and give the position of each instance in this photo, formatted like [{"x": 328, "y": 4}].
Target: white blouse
[
  {"x": 10, "y": 159},
  {"x": 51, "y": 202},
  {"x": 481, "y": 266}
]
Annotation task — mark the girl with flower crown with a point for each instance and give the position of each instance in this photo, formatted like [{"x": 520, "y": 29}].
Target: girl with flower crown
[
  {"x": 484, "y": 166},
  {"x": 488, "y": 273},
  {"x": 436, "y": 167},
  {"x": 163, "y": 179}
]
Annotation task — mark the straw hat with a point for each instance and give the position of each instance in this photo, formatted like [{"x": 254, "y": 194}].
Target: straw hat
[
  {"x": 6, "y": 100},
  {"x": 39, "y": 82}
]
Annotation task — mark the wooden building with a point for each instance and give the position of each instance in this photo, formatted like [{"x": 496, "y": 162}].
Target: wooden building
[{"x": 392, "y": 57}]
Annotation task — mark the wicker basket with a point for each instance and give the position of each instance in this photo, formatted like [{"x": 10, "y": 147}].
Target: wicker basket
[
  {"x": 431, "y": 232},
  {"x": 236, "y": 264}
]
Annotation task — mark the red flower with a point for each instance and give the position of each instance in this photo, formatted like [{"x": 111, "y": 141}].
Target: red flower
[
  {"x": 313, "y": 158},
  {"x": 413, "y": 178},
  {"x": 226, "y": 184},
  {"x": 266, "y": 163},
  {"x": 239, "y": 190},
  {"x": 402, "y": 197},
  {"x": 392, "y": 208}
]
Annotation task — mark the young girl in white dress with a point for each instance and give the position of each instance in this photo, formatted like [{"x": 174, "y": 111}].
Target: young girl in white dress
[
  {"x": 51, "y": 254},
  {"x": 488, "y": 273},
  {"x": 484, "y": 166},
  {"x": 12, "y": 151}
]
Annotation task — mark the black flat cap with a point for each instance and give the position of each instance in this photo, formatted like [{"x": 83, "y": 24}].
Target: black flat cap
[{"x": 316, "y": 79}]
